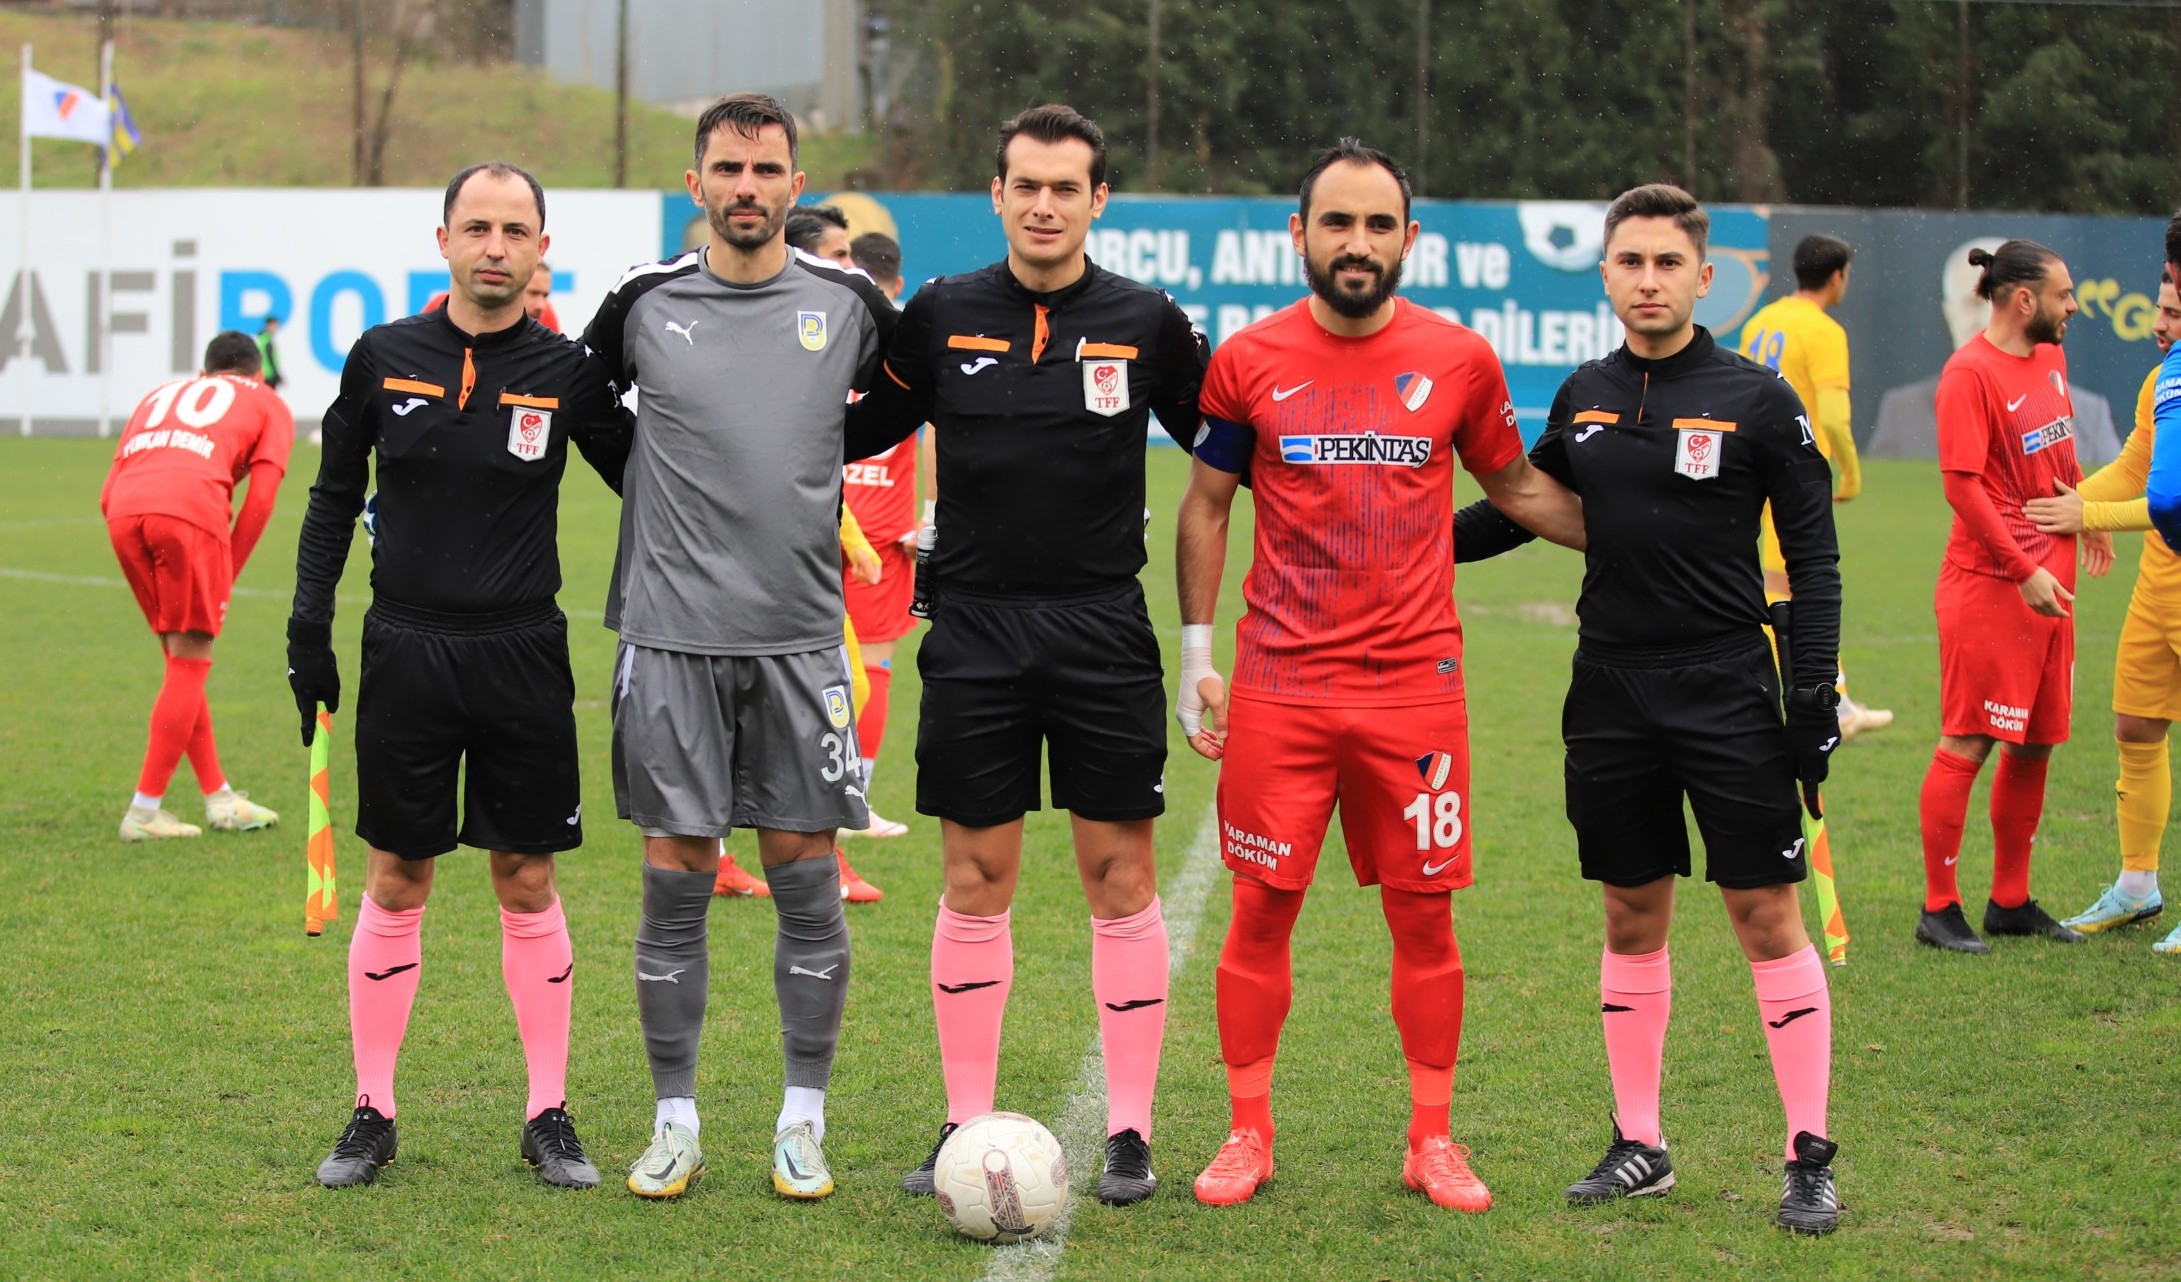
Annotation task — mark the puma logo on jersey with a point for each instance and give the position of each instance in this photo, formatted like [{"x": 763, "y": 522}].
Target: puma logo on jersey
[
  {"x": 402, "y": 410},
  {"x": 979, "y": 365},
  {"x": 676, "y": 327}
]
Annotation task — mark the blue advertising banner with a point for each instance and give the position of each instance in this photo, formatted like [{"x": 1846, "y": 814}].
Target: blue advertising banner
[{"x": 1524, "y": 275}]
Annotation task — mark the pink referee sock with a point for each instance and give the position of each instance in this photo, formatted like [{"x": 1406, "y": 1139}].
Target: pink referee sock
[
  {"x": 538, "y": 962},
  {"x": 1129, "y": 979},
  {"x": 972, "y": 971},
  {"x": 1635, "y": 998},
  {"x": 1797, "y": 1008},
  {"x": 384, "y": 957}
]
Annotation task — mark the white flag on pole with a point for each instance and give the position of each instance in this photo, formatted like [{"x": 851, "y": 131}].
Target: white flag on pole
[{"x": 56, "y": 109}]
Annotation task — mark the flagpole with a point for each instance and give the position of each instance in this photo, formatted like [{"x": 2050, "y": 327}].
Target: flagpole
[
  {"x": 105, "y": 246},
  {"x": 22, "y": 272}
]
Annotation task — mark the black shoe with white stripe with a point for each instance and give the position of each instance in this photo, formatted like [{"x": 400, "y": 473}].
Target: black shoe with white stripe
[
  {"x": 1630, "y": 1168},
  {"x": 918, "y": 1183},
  {"x": 1808, "y": 1201},
  {"x": 1127, "y": 1179}
]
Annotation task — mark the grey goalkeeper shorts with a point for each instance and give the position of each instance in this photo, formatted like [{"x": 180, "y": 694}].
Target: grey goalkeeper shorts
[{"x": 704, "y": 743}]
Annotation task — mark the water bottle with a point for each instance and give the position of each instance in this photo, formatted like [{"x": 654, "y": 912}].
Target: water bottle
[{"x": 920, "y": 595}]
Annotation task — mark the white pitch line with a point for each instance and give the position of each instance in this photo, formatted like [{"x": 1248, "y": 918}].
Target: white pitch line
[{"x": 1082, "y": 1129}]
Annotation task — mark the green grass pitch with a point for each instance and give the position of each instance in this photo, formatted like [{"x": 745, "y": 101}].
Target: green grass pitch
[{"x": 174, "y": 1054}]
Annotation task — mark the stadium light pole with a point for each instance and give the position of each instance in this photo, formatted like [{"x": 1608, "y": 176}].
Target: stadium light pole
[{"x": 621, "y": 95}]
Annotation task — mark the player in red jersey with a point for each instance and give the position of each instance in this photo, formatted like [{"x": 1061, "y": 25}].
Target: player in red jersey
[
  {"x": 2006, "y": 640},
  {"x": 1345, "y": 412},
  {"x": 168, "y": 504}
]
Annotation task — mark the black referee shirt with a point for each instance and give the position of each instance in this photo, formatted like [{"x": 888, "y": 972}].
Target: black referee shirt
[
  {"x": 1674, "y": 460},
  {"x": 471, "y": 432},
  {"x": 1042, "y": 405}
]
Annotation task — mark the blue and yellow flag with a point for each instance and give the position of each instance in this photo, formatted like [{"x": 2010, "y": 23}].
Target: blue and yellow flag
[{"x": 126, "y": 137}]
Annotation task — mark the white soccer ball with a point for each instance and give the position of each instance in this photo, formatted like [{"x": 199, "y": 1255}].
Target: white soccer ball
[{"x": 1001, "y": 1177}]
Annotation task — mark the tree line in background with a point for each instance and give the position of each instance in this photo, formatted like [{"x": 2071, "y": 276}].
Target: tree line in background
[{"x": 1933, "y": 103}]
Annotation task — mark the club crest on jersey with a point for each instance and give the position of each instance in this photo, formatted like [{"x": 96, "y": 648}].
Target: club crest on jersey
[
  {"x": 1696, "y": 454},
  {"x": 810, "y": 328},
  {"x": 1105, "y": 387},
  {"x": 528, "y": 430},
  {"x": 1435, "y": 767},
  {"x": 1357, "y": 447},
  {"x": 837, "y": 706},
  {"x": 2058, "y": 430},
  {"x": 2058, "y": 381},
  {"x": 1413, "y": 389}
]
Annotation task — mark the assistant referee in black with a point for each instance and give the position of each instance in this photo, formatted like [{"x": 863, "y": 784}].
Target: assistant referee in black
[
  {"x": 1675, "y": 444},
  {"x": 466, "y": 413},
  {"x": 1038, "y": 374}
]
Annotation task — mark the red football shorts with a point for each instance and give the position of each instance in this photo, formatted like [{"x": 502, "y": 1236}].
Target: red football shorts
[
  {"x": 881, "y": 610},
  {"x": 2004, "y": 670},
  {"x": 181, "y": 573},
  {"x": 1399, "y": 775}
]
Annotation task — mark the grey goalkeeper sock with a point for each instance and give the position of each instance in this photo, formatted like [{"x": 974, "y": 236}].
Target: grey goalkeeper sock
[
  {"x": 809, "y": 965},
  {"x": 673, "y": 974}
]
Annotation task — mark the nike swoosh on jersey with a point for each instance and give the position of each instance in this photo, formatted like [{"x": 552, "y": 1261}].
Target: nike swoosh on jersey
[
  {"x": 2016, "y": 403},
  {"x": 1433, "y": 870},
  {"x": 390, "y": 971},
  {"x": 1280, "y": 394},
  {"x": 963, "y": 988}
]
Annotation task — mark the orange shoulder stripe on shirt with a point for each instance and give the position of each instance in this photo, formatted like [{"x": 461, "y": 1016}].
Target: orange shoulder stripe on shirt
[
  {"x": 533, "y": 402},
  {"x": 411, "y": 385},
  {"x": 1108, "y": 352},
  {"x": 1702, "y": 425},
  {"x": 889, "y": 368},
  {"x": 1597, "y": 416},
  {"x": 976, "y": 343}
]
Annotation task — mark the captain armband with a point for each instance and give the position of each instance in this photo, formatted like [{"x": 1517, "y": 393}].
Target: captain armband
[{"x": 1225, "y": 445}]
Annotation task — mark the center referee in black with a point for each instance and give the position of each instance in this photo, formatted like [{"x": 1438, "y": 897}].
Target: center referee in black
[
  {"x": 1038, "y": 374},
  {"x": 465, "y": 413},
  {"x": 1675, "y": 444}
]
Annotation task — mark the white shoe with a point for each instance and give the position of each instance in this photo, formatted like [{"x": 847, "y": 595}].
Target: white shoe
[
  {"x": 880, "y": 826},
  {"x": 670, "y": 1165},
  {"x": 231, "y": 811},
  {"x": 1856, "y": 719},
  {"x": 155, "y": 825}
]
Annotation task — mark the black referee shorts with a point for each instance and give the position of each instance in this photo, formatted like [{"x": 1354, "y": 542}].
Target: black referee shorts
[
  {"x": 1081, "y": 674},
  {"x": 1702, "y": 724},
  {"x": 494, "y": 689}
]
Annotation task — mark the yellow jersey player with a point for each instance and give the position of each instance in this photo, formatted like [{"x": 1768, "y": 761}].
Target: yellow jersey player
[
  {"x": 1796, "y": 337},
  {"x": 2147, "y": 662}
]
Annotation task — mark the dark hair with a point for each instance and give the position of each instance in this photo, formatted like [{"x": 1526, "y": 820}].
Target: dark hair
[
  {"x": 232, "y": 352},
  {"x": 1352, "y": 151},
  {"x": 878, "y": 254},
  {"x": 2015, "y": 264},
  {"x": 2173, "y": 239},
  {"x": 746, "y": 113},
  {"x": 1818, "y": 257},
  {"x": 1054, "y": 122},
  {"x": 1660, "y": 200},
  {"x": 807, "y": 223},
  {"x": 498, "y": 169}
]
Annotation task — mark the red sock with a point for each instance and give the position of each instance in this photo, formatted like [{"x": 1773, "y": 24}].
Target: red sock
[
  {"x": 1635, "y": 999},
  {"x": 204, "y": 755},
  {"x": 384, "y": 956},
  {"x": 538, "y": 963},
  {"x": 1254, "y": 989},
  {"x": 1797, "y": 1009},
  {"x": 1945, "y": 809},
  {"x": 1128, "y": 980},
  {"x": 871, "y": 726},
  {"x": 2018, "y": 802},
  {"x": 1427, "y": 1002},
  {"x": 972, "y": 971},
  {"x": 173, "y": 721}
]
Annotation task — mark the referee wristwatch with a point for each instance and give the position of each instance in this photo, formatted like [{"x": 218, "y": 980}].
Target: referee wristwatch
[{"x": 1823, "y": 698}]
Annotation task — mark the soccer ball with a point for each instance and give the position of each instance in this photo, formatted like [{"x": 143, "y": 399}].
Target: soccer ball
[{"x": 1001, "y": 1177}]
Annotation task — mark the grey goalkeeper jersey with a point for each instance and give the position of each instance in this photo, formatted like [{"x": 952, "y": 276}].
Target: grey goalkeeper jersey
[{"x": 730, "y": 534}]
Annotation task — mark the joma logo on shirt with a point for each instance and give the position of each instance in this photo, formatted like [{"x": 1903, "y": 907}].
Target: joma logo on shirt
[
  {"x": 1366, "y": 447},
  {"x": 2052, "y": 433}
]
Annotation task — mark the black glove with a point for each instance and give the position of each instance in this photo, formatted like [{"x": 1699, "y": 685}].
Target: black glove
[
  {"x": 1813, "y": 731},
  {"x": 312, "y": 672}
]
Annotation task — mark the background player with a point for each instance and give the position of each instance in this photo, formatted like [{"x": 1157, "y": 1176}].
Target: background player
[
  {"x": 538, "y": 298},
  {"x": 167, "y": 504},
  {"x": 1346, "y": 411},
  {"x": 1039, "y": 374},
  {"x": 1796, "y": 336},
  {"x": 822, "y": 232},
  {"x": 2006, "y": 639},
  {"x": 465, "y": 414},
  {"x": 732, "y": 704},
  {"x": 1676, "y": 447}
]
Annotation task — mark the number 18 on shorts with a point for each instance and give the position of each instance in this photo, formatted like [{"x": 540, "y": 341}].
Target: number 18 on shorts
[{"x": 1399, "y": 776}]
